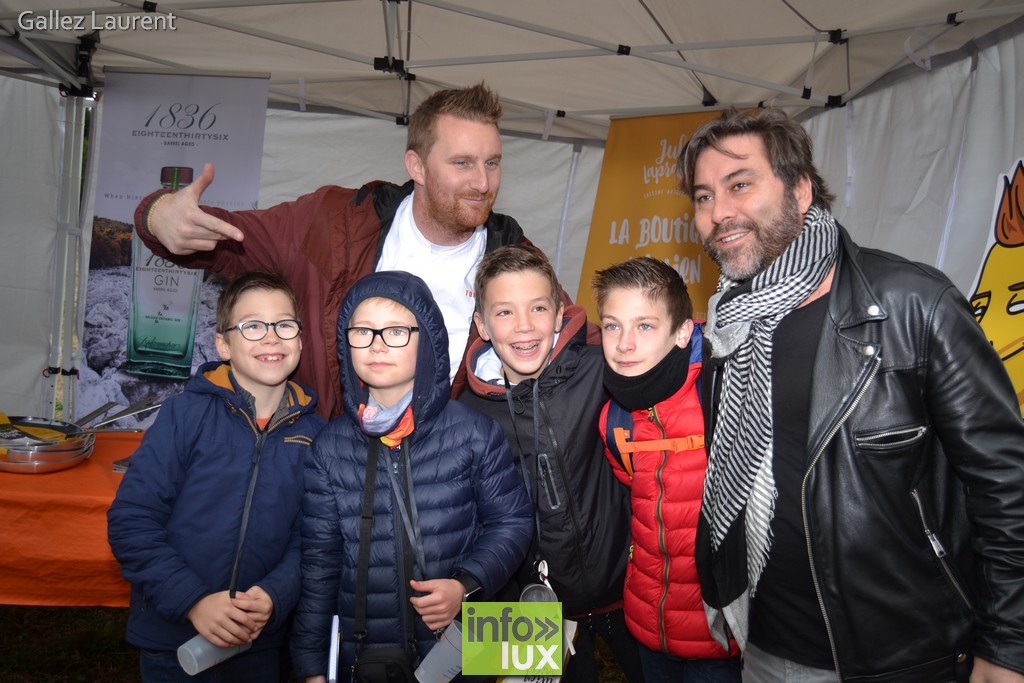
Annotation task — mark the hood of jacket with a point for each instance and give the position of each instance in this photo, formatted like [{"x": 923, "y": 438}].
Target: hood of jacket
[
  {"x": 431, "y": 387},
  {"x": 215, "y": 377}
]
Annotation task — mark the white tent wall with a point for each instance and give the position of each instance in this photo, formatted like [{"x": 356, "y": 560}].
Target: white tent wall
[
  {"x": 994, "y": 141},
  {"x": 30, "y": 146},
  {"x": 915, "y": 163},
  {"x": 304, "y": 150}
]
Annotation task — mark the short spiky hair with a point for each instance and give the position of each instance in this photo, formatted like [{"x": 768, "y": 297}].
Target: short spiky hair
[
  {"x": 474, "y": 103},
  {"x": 786, "y": 143},
  {"x": 656, "y": 279},
  {"x": 515, "y": 258},
  {"x": 253, "y": 279}
]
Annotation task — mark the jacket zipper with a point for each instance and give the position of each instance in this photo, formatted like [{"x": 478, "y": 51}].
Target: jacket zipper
[
  {"x": 939, "y": 550},
  {"x": 559, "y": 462},
  {"x": 803, "y": 506},
  {"x": 872, "y": 442},
  {"x": 403, "y": 580},
  {"x": 270, "y": 427},
  {"x": 284, "y": 418},
  {"x": 261, "y": 439},
  {"x": 652, "y": 415}
]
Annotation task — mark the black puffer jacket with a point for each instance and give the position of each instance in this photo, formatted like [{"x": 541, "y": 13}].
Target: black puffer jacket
[
  {"x": 915, "y": 485},
  {"x": 474, "y": 515},
  {"x": 584, "y": 510}
]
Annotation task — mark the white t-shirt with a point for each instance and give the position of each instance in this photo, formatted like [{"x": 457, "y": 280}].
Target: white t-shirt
[{"x": 448, "y": 271}]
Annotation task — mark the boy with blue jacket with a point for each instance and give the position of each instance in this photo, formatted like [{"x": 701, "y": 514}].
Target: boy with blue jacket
[
  {"x": 451, "y": 519},
  {"x": 205, "y": 522}
]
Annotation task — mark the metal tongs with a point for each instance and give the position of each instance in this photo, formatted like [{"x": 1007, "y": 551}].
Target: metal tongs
[{"x": 143, "y": 406}]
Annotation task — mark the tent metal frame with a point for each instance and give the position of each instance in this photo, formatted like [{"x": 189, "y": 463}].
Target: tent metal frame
[{"x": 785, "y": 94}]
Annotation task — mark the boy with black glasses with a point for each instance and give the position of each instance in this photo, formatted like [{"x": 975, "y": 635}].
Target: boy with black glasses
[
  {"x": 205, "y": 522},
  {"x": 450, "y": 518}
]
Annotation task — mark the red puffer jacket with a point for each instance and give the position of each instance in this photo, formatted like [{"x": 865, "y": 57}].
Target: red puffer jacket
[{"x": 665, "y": 473}]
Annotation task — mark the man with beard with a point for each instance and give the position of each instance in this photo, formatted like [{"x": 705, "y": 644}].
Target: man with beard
[
  {"x": 436, "y": 226},
  {"x": 863, "y": 512}
]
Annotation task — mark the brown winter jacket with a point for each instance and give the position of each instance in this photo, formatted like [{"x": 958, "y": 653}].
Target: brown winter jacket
[{"x": 321, "y": 243}]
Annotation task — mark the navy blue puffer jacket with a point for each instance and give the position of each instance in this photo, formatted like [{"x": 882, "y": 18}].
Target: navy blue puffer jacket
[
  {"x": 474, "y": 514},
  {"x": 175, "y": 523}
]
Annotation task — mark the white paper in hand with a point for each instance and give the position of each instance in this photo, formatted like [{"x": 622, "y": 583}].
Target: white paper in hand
[{"x": 332, "y": 660}]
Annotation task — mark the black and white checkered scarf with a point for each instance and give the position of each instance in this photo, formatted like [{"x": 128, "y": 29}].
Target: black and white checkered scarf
[{"x": 740, "y": 486}]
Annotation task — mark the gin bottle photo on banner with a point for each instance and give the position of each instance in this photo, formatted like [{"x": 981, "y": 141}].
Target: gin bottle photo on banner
[{"x": 164, "y": 304}]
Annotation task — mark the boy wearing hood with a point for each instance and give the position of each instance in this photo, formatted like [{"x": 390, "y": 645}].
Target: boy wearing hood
[
  {"x": 533, "y": 372},
  {"x": 451, "y": 519}
]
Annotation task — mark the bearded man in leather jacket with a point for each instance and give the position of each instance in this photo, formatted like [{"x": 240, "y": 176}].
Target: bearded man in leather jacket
[{"x": 863, "y": 513}]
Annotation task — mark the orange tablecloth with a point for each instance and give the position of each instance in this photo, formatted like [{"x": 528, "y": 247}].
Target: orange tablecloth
[{"x": 53, "y": 531}]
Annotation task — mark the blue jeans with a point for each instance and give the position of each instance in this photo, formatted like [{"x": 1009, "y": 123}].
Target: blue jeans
[
  {"x": 661, "y": 667},
  {"x": 262, "y": 666}
]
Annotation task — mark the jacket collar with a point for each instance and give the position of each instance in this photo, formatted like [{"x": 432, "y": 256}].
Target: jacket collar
[
  {"x": 501, "y": 229},
  {"x": 852, "y": 300},
  {"x": 215, "y": 377},
  {"x": 845, "y": 362}
]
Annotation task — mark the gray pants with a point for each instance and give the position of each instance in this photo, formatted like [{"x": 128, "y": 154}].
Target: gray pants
[{"x": 761, "y": 667}]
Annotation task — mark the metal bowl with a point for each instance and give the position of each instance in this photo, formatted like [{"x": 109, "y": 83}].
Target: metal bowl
[
  {"x": 65, "y": 446},
  {"x": 51, "y": 452},
  {"x": 42, "y": 466}
]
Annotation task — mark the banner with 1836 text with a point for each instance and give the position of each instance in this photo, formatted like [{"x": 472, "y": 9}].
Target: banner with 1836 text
[{"x": 149, "y": 323}]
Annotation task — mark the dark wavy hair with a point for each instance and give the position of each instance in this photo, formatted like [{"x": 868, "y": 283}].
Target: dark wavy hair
[{"x": 786, "y": 143}]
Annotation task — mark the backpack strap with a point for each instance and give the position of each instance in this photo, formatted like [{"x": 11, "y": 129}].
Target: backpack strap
[
  {"x": 697, "y": 356},
  {"x": 618, "y": 429},
  {"x": 693, "y": 442},
  {"x": 619, "y": 421}
]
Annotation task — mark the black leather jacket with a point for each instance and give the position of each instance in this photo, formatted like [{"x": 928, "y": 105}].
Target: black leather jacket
[{"x": 914, "y": 491}]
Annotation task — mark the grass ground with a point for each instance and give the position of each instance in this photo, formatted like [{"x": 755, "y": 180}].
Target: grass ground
[
  {"x": 65, "y": 645},
  {"x": 86, "y": 645}
]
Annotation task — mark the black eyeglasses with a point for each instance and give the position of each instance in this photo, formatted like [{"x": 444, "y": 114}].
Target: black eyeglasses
[
  {"x": 395, "y": 336},
  {"x": 254, "y": 330}
]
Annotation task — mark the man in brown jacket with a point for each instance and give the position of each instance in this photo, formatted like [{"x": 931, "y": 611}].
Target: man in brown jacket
[{"x": 437, "y": 226}]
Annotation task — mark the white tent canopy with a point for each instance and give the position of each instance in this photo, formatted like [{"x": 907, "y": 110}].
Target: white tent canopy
[{"x": 561, "y": 67}]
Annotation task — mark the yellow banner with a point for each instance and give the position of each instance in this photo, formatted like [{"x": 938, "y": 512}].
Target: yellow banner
[
  {"x": 997, "y": 296},
  {"x": 640, "y": 210}
]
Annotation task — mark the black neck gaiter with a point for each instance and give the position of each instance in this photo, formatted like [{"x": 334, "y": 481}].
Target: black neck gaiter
[{"x": 652, "y": 387}]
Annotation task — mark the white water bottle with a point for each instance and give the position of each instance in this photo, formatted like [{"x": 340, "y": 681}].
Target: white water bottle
[{"x": 199, "y": 654}]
